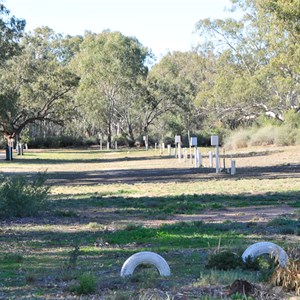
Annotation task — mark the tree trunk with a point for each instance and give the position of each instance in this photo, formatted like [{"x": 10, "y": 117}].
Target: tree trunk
[{"x": 9, "y": 145}]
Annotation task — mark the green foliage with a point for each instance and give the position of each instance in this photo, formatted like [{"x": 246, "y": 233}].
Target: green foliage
[
  {"x": 283, "y": 135},
  {"x": 59, "y": 142},
  {"x": 87, "y": 284},
  {"x": 11, "y": 30},
  {"x": 21, "y": 197},
  {"x": 224, "y": 261}
]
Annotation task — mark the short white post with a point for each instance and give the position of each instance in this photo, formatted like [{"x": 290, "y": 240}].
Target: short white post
[
  {"x": 211, "y": 159},
  {"x": 196, "y": 158},
  {"x": 107, "y": 146},
  {"x": 199, "y": 159},
  {"x": 179, "y": 152},
  {"x": 185, "y": 154},
  {"x": 155, "y": 146},
  {"x": 160, "y": 149},
  {"x": 169, "y": 150},
  {"x": 175, "y": 150},
  {"x": 232, "y": 170},
  {"x": 217, "y": 160},
  {"x": 116, "y": 145},
  {"x": 163, "y": 147}
]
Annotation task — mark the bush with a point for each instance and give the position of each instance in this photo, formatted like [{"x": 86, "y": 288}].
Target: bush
[
  {"x": 224, "y": 261},
  {"x": 20, "y": 197},
  {"x": 58, "y": 142},
  {"x": 264, "y": 136},
  {"x": 87, "y": 284}
]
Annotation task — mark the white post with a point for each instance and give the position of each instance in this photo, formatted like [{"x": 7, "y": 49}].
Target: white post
[
  {"x": 196, "y": 158},
  {"x": 155, "y": 146},
  {"x": 107, "y": 145},
  {"x": 169, "y": 150},
  {"x": 163, "y": 147},
  {"x": 160, "y": 149},
  {"x": 185, "y": 154},
  {"x": 217, "y": 159},
  {"x": 232, "y": 170},
  {"x": 175, "y": 154},
  {"x": 179, "y": 152},
  {"x": 199, "y": 159},
  {"x": 211, "y": 159},
  {"x": 116, "y": 145},
  {"x": 191, "y": 158}
]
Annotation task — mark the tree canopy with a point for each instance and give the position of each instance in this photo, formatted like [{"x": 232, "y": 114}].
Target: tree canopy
[{"x": 243, "y": 68}]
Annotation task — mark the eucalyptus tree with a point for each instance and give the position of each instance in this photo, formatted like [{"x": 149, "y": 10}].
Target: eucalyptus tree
[
  {"x": 173, "y": 84},
  {"x": 112, "y": 68},
  {"x": 253, "y": 52},
  {"x": 11, "y": 30},
  {"x": 35, "y": 85}
]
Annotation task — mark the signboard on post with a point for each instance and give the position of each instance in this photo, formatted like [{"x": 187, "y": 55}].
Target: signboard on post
[
  {"x": 214, "y": 140},
  {"x": 177, "y": 139},
  {"x": 194, "y": 141}
]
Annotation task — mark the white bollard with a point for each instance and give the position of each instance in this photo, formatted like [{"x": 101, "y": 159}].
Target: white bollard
[
  {"x": 169, "y": 150},
  {"x": 179, "y": 152},
  {"x": 232, "y": 170},
  {"x": 185, "y": 154},
  {"x": 155, "y": 146},
  {"x": 200, "y": 159},
  {"x": 217, "y": 160},
  {"x": 196, "y": 158},
  {"x": 211, "y": 159},
  {"x": 116, "y": 145},
  {"x": 107, "y": 146},
  {"x": 163, "y": 147}
]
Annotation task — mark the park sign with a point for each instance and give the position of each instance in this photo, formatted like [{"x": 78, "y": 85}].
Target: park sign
[
  {"x": 194, "y": 141},
  {"x": 177, "y": 139},
  {"x": 214, "y": 140}
]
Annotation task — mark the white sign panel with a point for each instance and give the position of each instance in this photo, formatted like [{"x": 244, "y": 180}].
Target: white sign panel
[
  {"x": 214, "y": 140},
  {"x": 194, "y": 141},
  {"x": 177, "y": 139}
]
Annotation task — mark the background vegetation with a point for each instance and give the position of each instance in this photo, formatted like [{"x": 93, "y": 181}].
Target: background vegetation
[{"x": 243, "y": 75}]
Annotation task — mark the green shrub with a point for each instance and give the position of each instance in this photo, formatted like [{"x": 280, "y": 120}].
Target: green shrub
[
  {"x": 87, "y": 284},
  {"x": 263, "y": 136},
  {"x": 224, "y": 261},
  {"x": 20, "y": 197}
]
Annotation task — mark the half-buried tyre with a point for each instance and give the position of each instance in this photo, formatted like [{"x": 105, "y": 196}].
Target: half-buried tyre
[
  {"x": 261, "y": 248},
  {"x": 146, "y": 258}
]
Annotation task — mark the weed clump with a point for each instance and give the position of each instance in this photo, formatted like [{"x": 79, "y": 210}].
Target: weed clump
[
  {"x": 224, "y": 261},
  {"x": 87, "y": 284},
  {"x": 20, "y": 197}
]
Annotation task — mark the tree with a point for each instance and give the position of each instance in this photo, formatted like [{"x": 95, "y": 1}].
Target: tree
[
  {"x": 11, "y": 30},
  {"x": 257, "y": 67},
  {"x": 111, "y": 67},
  {"x": 35, "y": 86},
  {"x": 173, "y": 85}
]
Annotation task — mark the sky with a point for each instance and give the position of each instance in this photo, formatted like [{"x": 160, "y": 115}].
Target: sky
[{"x": 161, "y": 25}]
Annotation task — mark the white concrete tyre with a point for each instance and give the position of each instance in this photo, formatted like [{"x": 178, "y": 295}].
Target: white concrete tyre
[
  {"x": 145, "y": 257},
  {"x": 260, "y": 248}
]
